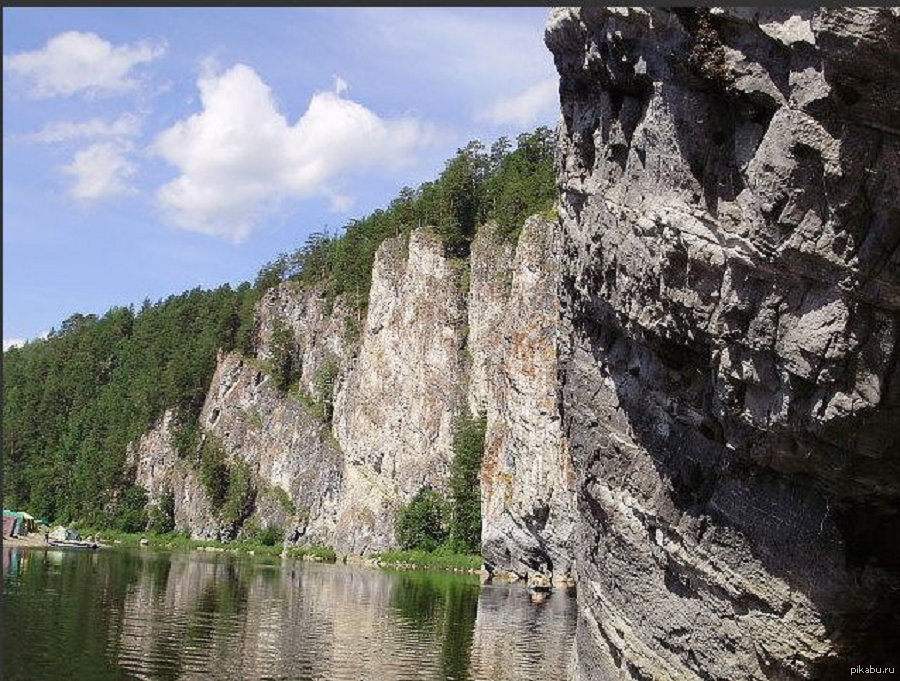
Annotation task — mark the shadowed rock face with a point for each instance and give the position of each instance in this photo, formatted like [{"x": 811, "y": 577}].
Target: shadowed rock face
[{"x": 731, "y": 288}]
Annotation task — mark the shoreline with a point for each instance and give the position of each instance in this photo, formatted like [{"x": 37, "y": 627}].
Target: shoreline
[{"x": 395, "y": 560}]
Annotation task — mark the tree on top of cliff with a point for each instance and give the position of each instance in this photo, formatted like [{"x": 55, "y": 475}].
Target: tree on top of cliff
[{"x": 503, "y": 184}]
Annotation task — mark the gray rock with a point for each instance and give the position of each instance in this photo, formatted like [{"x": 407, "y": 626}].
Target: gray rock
[{"x": 731, "y": 290}]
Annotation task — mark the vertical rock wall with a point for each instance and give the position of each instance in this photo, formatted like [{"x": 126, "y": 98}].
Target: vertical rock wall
[
  {"x": 731, "y": 287},
  {"x": 527, "y": 478},
  {"x": 394, "y": 411}
]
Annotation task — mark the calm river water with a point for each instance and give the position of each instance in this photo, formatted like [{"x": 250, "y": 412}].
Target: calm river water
[{"x": 146, "y": 614}]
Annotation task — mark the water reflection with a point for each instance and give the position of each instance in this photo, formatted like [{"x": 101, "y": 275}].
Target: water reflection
[{"x": 116, "y": 614}]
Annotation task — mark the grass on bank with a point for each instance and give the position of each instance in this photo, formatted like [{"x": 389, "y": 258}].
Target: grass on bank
[
  {"x": 440, "y": 559},
  {"x": 179, "y": 540}
]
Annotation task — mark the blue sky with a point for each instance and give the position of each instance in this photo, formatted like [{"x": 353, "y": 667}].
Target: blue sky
[{"x": 147, "y": 151}]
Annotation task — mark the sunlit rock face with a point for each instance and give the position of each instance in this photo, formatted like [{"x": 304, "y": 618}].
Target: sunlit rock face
[
  {"x": 323, "y": 331},
  {"x": 394, "y": 413},
  {"x": 731, "y": 289},
  {"x": 441, "y": 336},
  {"x": 527, "y": 478},
  {"x": 284, "y": 446}
]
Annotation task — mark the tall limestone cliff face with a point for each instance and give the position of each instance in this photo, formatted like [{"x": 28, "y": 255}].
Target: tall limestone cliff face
[
  {"x": 159, "y": 470},
  {"x": 731, "y": 284},
  {"x": 527, "y": 478},
  {"x": 394, "y": 411},
  {"x": 428, "y": 349},
  {"x": 285, "y": 447}
]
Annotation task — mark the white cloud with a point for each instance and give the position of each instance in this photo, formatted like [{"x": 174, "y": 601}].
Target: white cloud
[
  {"x": 239, "y": 156},
  {"x": 100, "y": 171},
  {"x": 9, "y": 343},
  {"x": 75, "y": 62},
  {"x": 127, "y": 125},
  {"x": 536, "y": 104}
]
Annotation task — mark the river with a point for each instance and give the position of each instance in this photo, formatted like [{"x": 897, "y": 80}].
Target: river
[{"x": 150, "y": 614}]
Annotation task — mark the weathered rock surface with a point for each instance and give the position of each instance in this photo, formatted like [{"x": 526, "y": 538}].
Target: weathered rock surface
[
  {"x": 527, "y": 480},
  {"x": 282, "y": 443},
  {"x": 323, "y": 333},
  {"x": 159, "y": 470},
  {"x": 394, "y": 412},
  {"x": 427, "y": 350},
  {"x": 731, "y": 286}
]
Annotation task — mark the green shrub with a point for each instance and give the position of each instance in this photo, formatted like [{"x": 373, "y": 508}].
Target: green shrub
[
  {"x": 240, "y": 495},
  {"x": 421, "y": 524},
  {"x": 285, "y": 356},
  {"x": 324, "y": 553},
  {"x": 271, "y": 535},
  {"x": 213, "y": 471},
  {"x": 186, "y": 434},
  {"x": 161, "y": 515},
  {"x": 324, "y": 385},
  {"x": 131, "y": 514},
  {"x": 283, "y": 499}
]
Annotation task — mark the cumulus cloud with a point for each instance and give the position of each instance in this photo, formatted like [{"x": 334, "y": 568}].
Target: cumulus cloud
[
  {"x": 239, "y": 156},
  {"x": 76, "y": 62},
  {"x": 100, "y": 171},
  {"x": 536, "y": 104},
  {"x": 127, "y": 125}
]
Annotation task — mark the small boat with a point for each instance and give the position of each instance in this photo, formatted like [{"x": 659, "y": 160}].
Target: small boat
[{"x": 72, "y": 544}]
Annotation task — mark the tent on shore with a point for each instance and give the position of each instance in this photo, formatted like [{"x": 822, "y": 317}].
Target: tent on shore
[
  {"x": 13, "y": 523},
  {"x": 10, "y": 524}
]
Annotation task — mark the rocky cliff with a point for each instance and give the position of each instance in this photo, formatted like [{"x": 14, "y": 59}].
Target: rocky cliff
[
  {"x": 527, "y": 477},
  {"x": 441, "y": 335},
  {"x": 393, "y": 415},
  {"x": 296, "y": 466},
  {"x": 731, "y": 295}
]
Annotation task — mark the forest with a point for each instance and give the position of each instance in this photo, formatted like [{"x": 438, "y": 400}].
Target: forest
[{"x": 73, "y": 402}]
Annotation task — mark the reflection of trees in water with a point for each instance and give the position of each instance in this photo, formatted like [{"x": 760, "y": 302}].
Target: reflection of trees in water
[
  {"x": 126, "y": 614},
  {"x": 447, "y": 605},
  {"x": 180, "y": 606},
  {"x": 459, "y": 629},
  {"x": 54, "y": 594}
]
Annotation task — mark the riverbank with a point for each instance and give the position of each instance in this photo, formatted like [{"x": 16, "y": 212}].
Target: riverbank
[
  {"x": 33, "y": 539},
  {"x": 178, "y": 541},
  {"x": 398, "y": 560},
  {"x": 426, "y": 560}
]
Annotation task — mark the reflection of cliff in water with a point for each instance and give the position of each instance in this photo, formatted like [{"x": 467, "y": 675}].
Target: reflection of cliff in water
[
  {"x": 211, "y": 615},
  {"x": 516, "y": 639}
]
